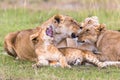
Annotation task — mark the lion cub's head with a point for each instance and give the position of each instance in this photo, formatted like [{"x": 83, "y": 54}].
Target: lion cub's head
[
  {"x": 43, "y": 37},
  {"x": 91, "y": 31}
]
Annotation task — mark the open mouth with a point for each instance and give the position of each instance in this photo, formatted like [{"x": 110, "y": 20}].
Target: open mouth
[{"x": 49, "y": 31}]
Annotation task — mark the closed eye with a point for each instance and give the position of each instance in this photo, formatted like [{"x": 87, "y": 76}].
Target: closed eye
[{"x": 87, "y": 30}]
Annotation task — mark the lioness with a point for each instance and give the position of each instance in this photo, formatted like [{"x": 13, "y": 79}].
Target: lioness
[
  {"x": 107, "y": 41},
  {"x": 19, "y": 45}
]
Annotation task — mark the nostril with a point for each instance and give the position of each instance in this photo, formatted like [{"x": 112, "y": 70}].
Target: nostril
[
  {"x": 77, "y": 36},
  {"x": 81, "y": 41},
  {"x": 73, "y": 35},
  {"x": 81, "y": 27}
]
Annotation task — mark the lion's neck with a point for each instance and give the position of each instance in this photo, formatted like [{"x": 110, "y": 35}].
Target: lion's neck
[{"x": 100, "y": 36}]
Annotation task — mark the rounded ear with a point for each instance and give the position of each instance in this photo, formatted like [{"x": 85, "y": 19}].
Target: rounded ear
[
  {"x": 90, "y": 22},
  {"x": 101, "y": 27},
  {"x": 58, "y": 18},
  {"x": 34, "y": 37}
]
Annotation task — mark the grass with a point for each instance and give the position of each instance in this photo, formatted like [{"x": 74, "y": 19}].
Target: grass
[
  {"x": 22, "y": 70},
  {"x": 19, "y": 19}
]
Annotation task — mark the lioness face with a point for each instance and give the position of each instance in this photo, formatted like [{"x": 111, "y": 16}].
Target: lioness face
[
  {"x": 67, "y": 25},
  {"x": 64, "y": 27}
]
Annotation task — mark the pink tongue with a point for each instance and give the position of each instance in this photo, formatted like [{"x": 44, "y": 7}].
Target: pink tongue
[{"x": 49, "y": 31}]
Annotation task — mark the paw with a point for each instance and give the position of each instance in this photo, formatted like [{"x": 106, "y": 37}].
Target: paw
[
  {"x": 102, "y": 66},
  {"x": 17, "y": 58},
  {"x": 69, "y": 66},
  {"x": 35, "y": 66},
  {"x": 55, "y": 65}
]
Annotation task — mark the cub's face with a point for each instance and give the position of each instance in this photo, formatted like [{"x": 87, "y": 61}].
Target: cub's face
[
  {"x": 43, "y": 37},
  {"x": 90, "y": 33},
  {"x": 42, "y": 43}
]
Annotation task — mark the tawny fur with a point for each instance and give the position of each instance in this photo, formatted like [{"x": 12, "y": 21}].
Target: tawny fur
[
  {"x": 107, "y": 41},
  {"x": 47, "y": 52},
  {"x": 19, "y": 45},
  {"x": 73, "y": 43}
]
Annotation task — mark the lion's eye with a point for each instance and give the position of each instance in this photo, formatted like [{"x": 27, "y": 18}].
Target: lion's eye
[
  {"x": 71, "y": 20},
  {"x": 55, "y": 21},
  {"x": 87, "y": 30}
]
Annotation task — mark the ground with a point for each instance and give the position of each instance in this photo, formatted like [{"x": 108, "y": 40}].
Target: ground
[{"x": 19, "y": 18}]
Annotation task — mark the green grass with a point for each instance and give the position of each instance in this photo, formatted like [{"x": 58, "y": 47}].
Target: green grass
[
  {"x": 22, "y": 70},
  {"x": 19, "y": 19}
]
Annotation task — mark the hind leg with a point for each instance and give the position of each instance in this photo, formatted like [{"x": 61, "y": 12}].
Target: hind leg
[{"x": 90, "y": 57}]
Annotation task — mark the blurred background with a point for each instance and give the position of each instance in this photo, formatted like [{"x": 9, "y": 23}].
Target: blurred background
[{"x": 61, "y": 4}]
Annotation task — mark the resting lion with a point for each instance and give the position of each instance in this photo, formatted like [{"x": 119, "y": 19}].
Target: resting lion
[
  {"x": 106, "y": 41},
  {"x": 18, "y": 44}
]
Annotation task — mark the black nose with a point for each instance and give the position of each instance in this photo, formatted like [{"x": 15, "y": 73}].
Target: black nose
[
  {"x": 73, "y": 35},
  {"x": 81, "y": 27}
]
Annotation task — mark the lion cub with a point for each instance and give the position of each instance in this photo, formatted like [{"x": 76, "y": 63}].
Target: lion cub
[{"x": 45, "y": 49}]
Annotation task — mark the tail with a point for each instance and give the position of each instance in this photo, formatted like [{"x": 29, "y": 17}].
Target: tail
[{"x": 111, "y": 63}]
